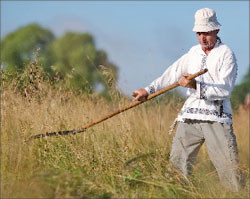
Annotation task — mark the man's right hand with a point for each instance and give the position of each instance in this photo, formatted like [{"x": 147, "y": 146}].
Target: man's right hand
[
  {"x": 140, "y": 95},
  {"x": 184, "y": 82}
]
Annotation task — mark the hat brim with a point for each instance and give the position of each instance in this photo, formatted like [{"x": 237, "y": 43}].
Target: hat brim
[{"x": 206, "y": 27}]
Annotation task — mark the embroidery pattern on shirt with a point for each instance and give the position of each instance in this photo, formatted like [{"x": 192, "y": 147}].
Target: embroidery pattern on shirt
[
  {"x": 207, "y": 112},
  {"x": 151, "y": 90},
  {"x": 203, "y": 87}
]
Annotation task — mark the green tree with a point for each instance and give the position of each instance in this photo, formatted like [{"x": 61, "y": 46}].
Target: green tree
[
  {"x": 73, "y": 57},
  {"x": 77, "y": 60},
  {"x": 19, "y": 47},
  {"x": 240, "y": 92}
]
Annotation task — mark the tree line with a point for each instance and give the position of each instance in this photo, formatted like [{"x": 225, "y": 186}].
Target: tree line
[
  {"x": 240, "y": 92},
  {"x": 74, "y": 59},
  {"x": 73, "y": 56}
]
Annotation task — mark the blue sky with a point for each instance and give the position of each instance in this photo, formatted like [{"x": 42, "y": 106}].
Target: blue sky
[{"x": 141, "y": 37}]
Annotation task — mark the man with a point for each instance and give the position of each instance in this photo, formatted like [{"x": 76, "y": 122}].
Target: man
[{"x": 206, "y": 116}]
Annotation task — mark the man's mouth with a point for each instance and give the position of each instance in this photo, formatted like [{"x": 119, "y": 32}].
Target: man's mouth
[{"x": 204, "y": 42}]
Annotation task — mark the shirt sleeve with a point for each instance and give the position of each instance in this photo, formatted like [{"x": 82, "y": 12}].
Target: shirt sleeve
[
  {"x": 222, "y": 88},
  {"x": 170, "y": 76}
]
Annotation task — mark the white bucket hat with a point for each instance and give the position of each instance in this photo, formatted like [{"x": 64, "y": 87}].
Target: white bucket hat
[{"x": 205, "y": 20}]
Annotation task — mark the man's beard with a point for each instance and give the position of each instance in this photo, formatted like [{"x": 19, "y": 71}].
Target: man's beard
[{"x": 207, "y": 44}]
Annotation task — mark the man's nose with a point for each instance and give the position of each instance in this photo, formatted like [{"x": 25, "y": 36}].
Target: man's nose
[{"x": 203, "y": 37}]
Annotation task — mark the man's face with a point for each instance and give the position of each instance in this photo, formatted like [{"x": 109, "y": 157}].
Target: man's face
[{"x": 207, "y": 39}]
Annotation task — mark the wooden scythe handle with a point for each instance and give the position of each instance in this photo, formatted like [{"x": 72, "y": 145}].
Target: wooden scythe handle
[{"x": 133, "y": 104}]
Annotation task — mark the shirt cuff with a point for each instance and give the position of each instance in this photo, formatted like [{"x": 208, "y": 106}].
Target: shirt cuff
[{"x": 150, "y": 90}]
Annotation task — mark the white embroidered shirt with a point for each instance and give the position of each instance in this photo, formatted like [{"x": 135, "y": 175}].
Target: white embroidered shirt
[{"x": 211, "y": 99}]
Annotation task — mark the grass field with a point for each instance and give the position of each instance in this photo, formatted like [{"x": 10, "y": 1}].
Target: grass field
[{"x": 123, "y": 157}]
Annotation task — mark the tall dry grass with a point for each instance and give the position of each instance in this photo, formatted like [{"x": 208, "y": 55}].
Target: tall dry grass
[{"x": 123, "y": 157}]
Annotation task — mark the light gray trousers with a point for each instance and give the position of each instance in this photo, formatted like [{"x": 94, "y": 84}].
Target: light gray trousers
[{"x": 221, "y": 145}]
